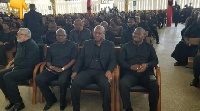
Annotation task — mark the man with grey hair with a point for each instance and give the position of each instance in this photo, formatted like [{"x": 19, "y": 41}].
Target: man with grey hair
[
  {"x": 137, "y": 60},
  {"x": 27, "y": 56},
  {"x": 61, "y": 56},
  {"x": 94, "y": 65}
]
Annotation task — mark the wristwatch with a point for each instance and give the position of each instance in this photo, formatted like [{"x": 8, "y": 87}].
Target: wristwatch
[
  {"x": 63, "y": 68},
  {"x": 147, "y": 64}
]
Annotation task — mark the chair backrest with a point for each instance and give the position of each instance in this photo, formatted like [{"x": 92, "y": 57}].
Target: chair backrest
[{"x": 42, "y": 48}]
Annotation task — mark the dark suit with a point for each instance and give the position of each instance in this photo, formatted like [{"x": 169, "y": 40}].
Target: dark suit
[
  {"x": 86, "y": 75},
  {"x": 33, "y": 21},
  {"x": 27, "y": 56}
]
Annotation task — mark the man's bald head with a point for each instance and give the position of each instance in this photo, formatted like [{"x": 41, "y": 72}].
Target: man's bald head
[
  {"x": 138, "y": 35},
  {"x": 99, "y": 33},
  {"x": 61, "y": 35}
]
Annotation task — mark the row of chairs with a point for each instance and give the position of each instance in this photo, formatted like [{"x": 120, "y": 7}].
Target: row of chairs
[{"x": 115, "y": 97}]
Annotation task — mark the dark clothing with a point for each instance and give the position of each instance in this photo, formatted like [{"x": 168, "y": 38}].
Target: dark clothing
[
  {"x": 145, "y": 26},
  {"x": 26, "y": 58},
  {"x": 68, "y": 28},
  {"x": 176, "y": 14},
  {"x": 127, "y": 35},
  {"x": 132, "y": 54},
  {"x": 50, "y": 38},
  {"x": 196, "y": 67},
  {"x": 91, "y": 76},
  {"x": 110, "y": 36},
  {"x": 193, "y": 31},
  {"x": 86, "y": 76},
  {"x": 80, "y": 37},
  {"x": 58, "y": 55},
  {"x": 61, "y": 54},
  {"x": 27, "y": 55},
  {"x": 6, "y": 37},
  {"x": 33, "y": 21},
  {"x": 152, "y": 23},
  {"x": 95, "y": 62},
  {"x": 90, "y": 27},
  {"x": 107, "y": 56}
]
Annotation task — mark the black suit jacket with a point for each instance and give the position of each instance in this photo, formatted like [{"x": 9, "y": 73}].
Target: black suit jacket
[
  {"x": 107, "y": 56},
  {"x": 33, "y": 21}
]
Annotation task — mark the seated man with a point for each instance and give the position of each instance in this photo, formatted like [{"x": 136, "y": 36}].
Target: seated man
[
  {"x": 79, "y": 34},
  {"x": 137, "y": 59},
  {"x": 7, "y": 42},
  {"x": 27, "y": 56},
  {"x": 108, "y": 35},
  {"x": 196, "y": 71},
  {"x": 50, "y": 36},
  {"x": 60, "y": 58},
  {"x": 95, "y": 64}
]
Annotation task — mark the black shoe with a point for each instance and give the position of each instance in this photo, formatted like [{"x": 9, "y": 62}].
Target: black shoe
[
  {"x": 157, "y": 42},
  {"x": 18, "y": 107},
  {"x": 62, "y": 107},
  {"x": 129, "y": 109},
  {"x": 48, "y": 105},
  {"x": 195, "y": 82},
  {"x": 9, "y": 106}
]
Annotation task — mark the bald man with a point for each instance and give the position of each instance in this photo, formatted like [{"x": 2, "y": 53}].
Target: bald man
[
  {"x": 94, "y": 65},
  {"x": 79, "y": 34},
  {"x": 60, "y": 58},
  {"x": 137, "y": 60}
]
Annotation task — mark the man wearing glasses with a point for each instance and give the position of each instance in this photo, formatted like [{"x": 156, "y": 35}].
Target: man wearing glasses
[
  {"x": 27, "y": 56},
  {"x": 60, "y": 57}
]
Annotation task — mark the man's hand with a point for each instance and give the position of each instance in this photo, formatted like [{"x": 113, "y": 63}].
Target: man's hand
[
  {"x": 73, "y": 75},
  {"x": 1, "y": 43},
  {"x": 109, "y": 76},
  {"x": 58, "y": 69},
  {"x": 142, "y": 68},
  {"x": 135, "y": 67}
]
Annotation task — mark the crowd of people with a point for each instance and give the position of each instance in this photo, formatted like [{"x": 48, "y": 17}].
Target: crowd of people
[{"x": 94, "y": 64}]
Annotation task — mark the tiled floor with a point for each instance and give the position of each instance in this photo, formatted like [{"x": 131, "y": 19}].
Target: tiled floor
[{"x": 177, "y": 95}]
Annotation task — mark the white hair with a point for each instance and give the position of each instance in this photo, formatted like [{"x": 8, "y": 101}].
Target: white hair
[
  {"x": 25, "y": 31},
  {"x": 102, "y": 29},
  {"x": 60, "y": 30}
]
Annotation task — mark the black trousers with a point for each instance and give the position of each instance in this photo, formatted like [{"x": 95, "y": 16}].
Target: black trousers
[
  {"x": 85, "y": 78},
  {"x": 3, "y": 58},
  {"x": 155, "y": 32},
  {"x": 196, "y": 67},
  {"x": 43, "y": 79},
  {"x": 8, "y": 82},
  {"x": 131, "y": 79}
]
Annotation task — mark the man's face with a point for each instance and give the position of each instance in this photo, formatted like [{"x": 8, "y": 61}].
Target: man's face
[
  {"x": 86, "y": 22},
  {"x": 61, "y": 36},
  {"x": 52, "y": 27},
  {"x": 78, "y": 25},
  {"x": 5, "y": 27},
  {"x": 138, "y": 36},
  {"x": 98, "y": 34},
  {"x": 21, "y": 37},
  {"x": 130, "y": 23}
]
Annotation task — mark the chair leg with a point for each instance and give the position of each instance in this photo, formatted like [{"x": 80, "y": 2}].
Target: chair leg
[
  {"x": 34, "y": 94},
  {"x": 41, "y": 98},
  {"x": 159, "y": 103}
]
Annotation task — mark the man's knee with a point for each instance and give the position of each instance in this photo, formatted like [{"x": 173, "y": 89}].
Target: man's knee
[
  {"x": 123, "y": 84},
  {"x": 39, "y": 80}
]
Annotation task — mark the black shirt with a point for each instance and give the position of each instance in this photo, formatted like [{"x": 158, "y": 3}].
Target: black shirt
[
  {"x": 27, "y": 55},
  {"x": 60, "y": 55},
  {"x": 95, "y": 62},
  {"x": 110, "y": 36},
  {"x": 50, "y": 38},
  {"x": 132, "y": 54}
]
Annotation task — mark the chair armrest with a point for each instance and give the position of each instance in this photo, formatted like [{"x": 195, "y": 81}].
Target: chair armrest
[
  {"x": 158, "y": 75},
  {"x": 9, "y": 65}
]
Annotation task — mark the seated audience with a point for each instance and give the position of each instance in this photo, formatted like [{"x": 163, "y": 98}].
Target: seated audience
[
  {"x": 79, "y": 34},
  {"x": 95, "y": 64},
  {"x": 7, "y": 42},
  {"x": 108, "y": 35},
  {"x": 87, "y": 24},
  {"x": 60, "y": 58},
  {"x": 137, "y": 60},
  {"x": 69, "y": 26},
  {"x": 27, "y": 56},
  {"x": 50, "y": 36},
  {"x": 115, "y": 28},
  {"x": 127, "y": 34}
]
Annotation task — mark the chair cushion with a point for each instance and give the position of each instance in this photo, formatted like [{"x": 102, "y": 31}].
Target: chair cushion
[
  {"x": 92, "y": 87},
  {"x": 138, "y": 89}
]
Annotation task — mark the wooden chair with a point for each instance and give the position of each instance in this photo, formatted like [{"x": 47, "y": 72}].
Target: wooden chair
[
  {"x": 192, "y": 42},
  {"x": 31, "y": 82},
  {"x": 138, "y": 89}
]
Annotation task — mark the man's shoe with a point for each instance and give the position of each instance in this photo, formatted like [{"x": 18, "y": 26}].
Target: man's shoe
[
  {"x": 176, "y": 64},
  {"x": 48, "y": 105},
  {"x": 9, "y": 106},
  {"x": 195, "y": 82},
  {"x": 129, "y": 109},
  {"x": 62, "y": 107},
  {"x": 157, "y": 42},
  {"x": 17, "y": 107}
]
